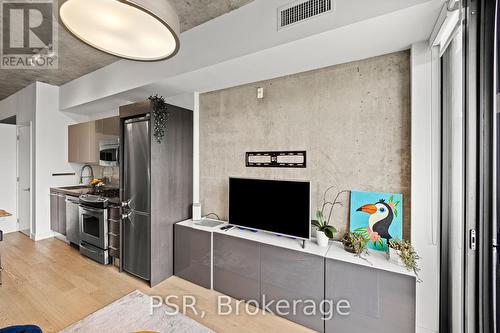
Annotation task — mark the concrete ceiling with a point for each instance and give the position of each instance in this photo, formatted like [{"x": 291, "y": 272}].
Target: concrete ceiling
[{"x": 77, "y": 58}]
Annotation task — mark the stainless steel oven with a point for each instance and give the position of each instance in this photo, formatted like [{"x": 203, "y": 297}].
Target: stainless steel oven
[{"x": 93, "y": 225}]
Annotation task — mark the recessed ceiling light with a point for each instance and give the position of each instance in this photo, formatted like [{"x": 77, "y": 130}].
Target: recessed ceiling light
[{"x": 144, "y": 30}]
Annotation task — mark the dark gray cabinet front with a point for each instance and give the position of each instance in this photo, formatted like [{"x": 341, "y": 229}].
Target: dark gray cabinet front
[
  {"x": 192, "y": 252},
  {"x": 236, "y": 267},
  {"x": 61, "y": 207},
  {"x": 294, "y": 277},
  {"x": 380, "y": 301},
  {"x": 54, "y": 211},
  {"x": 58, "y": 212}
]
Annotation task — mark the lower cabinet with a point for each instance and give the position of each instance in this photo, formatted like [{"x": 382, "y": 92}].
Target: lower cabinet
[
  {"x": 380, "y": 301},
  {"x": 293, "y": 277},
  {"x": 236, "y": 267},
  {"x": 281, "y": 279},
  {"x": 192, "y": 252},
  {"x": 58, "y": 212},
  {"x": 114, "y": 231}
]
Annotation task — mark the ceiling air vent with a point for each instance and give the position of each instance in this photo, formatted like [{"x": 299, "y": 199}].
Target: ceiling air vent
[{"x": 299, "y": 11}]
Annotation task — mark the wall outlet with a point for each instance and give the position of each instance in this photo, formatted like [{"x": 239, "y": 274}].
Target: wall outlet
[{"x": 260, "y": 93}]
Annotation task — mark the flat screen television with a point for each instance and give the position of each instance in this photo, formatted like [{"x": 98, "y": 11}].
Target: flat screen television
[{"x": 282, "y": 207}]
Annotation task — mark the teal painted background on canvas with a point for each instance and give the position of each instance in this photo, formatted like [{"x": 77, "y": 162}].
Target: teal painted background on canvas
[{"x": 359, "y": 219}]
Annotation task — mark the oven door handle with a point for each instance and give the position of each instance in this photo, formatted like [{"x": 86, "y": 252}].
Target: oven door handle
[
  {"x": 95, "y": 210},
  {"x": 87, "y": 248}
]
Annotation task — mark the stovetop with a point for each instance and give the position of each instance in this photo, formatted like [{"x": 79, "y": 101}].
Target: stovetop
[
  {"x": 106, "y": 192},
  {"x": 93, "y": 200}
]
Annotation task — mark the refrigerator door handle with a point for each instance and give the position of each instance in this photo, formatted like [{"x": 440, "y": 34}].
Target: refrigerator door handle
[{"x": 126, "y": 203}]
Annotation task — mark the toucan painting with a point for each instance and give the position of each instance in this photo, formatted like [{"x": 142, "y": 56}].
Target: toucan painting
[{"x": 378, "y": 216}]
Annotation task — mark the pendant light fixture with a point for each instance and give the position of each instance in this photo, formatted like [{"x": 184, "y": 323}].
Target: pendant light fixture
[{"x": 144, "y": 30}]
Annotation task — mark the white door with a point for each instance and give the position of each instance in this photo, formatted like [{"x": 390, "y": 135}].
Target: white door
[{"x": 24, "y": 178}]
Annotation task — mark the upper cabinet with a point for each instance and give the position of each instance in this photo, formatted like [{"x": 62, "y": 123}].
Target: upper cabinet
[{"x": 84, "y": 138}]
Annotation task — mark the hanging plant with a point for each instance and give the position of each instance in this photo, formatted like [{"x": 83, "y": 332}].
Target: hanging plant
[{"x": 160, "y": 116}]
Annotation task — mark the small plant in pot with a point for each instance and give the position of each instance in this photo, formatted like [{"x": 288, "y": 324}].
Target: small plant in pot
[
  {"x": 325, "y": 231},
  {"x": 401, "y": 251},
  {"x": 355, "y": 242}
]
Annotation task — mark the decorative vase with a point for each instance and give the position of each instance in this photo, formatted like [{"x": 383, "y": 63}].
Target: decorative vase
[
  {"x": 321, "y": 239},
  {"x": 394, "y": 256}
]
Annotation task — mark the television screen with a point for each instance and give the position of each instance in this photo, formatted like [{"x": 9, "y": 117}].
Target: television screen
[{"x": 277, "y": 206}]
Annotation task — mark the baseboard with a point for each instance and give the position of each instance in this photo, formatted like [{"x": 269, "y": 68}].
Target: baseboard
[
  {"x": 40, "y": 236},
  {"x": 10, "y": 230},
  {"x": 421, "y": 329}
]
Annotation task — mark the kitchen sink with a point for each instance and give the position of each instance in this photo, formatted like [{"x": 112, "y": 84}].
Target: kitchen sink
[{"x": 75, "y": 187}]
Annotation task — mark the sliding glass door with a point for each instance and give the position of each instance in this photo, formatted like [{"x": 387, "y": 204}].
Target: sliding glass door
[{"x": 453, "y": 187}]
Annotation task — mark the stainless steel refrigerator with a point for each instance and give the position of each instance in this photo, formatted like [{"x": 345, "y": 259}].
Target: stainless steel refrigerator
[
  {"x": 136, "y": 197},
  {"x": 156, "y": 187}
]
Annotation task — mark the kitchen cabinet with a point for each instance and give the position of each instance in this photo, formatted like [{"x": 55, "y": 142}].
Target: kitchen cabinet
[
  {"x": 84, "y": 138},
  {"x": 192, "y": 252},
  {"x": 236, "y": 267},
  {"x": 58, "y": 212},
  {"x": 82, "y": 145},
  {"x": 114, "y": 231}
]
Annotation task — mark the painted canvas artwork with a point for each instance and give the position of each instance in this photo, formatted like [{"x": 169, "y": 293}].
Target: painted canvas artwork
[{"x": 379, "y": 216}]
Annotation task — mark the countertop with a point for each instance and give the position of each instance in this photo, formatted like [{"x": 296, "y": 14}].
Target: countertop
[
  {"x": 334, "y": 251},
  {"x": 77, "y": 190},
  {"x": 74, "y": 192}
]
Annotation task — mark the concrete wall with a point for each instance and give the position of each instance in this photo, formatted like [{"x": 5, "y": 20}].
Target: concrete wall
[{"x": 353, "y": 119}]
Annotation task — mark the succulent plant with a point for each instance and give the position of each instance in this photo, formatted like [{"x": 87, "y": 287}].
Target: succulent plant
[
  {"x": 407, "y": 253},
  {"x": 355, "y": 242}
]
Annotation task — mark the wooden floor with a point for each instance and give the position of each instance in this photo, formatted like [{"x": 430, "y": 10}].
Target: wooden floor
[{"x": 49, "y": 284}]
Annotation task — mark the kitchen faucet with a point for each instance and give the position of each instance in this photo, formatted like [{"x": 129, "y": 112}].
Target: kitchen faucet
[{"x": 86, "y": 166}]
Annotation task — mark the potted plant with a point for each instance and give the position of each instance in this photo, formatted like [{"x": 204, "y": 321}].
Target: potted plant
[
  {"x": 324, "y": 230},
  {"x": 355, "y": 242},
  {"x": 401, "y": 251}
]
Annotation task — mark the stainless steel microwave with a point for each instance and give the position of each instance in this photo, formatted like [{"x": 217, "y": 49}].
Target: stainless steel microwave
[{"x": 109, "y": 153}]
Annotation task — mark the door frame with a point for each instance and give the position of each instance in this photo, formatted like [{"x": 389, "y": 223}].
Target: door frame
[{"x": 18, "y": 190}]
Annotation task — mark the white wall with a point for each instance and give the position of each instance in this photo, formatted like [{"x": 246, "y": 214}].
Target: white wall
[
  {"x": 51, "y": 153},
  {"x": 424, "y": 183},
  {"x": 39, "y": 104},
  {"x": 8, "y": 172},
  {"x": 22, "y": 104}
]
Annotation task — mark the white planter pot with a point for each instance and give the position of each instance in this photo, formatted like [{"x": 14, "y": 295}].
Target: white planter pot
[
  {"x": 321, "y": 239},
  {"x": 393, "y": 256}
]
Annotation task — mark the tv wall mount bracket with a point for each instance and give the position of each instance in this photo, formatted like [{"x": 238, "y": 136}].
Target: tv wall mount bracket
[{"x": 276, "y": 159}]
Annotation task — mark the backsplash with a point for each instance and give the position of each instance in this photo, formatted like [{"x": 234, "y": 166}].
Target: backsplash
[{"x": 112, "y": 173}]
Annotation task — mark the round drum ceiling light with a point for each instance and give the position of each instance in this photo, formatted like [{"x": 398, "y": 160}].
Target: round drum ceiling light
[{"x": 144, "y": 30}]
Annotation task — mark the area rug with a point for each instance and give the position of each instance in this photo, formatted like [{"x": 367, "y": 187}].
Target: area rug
[{"x": 132, "y": 313}]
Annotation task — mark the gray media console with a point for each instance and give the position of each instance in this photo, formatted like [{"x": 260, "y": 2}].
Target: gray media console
[{"x": 246, "y": 269}]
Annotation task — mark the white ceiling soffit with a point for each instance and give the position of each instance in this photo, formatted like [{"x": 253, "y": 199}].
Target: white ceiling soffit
[{"x": 214, "y": 57}]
